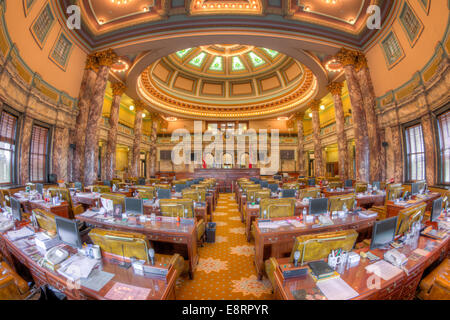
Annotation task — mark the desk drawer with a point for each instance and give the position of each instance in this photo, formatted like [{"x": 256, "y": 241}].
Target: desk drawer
[
  {"x": 38, "y": 275},
  {"x": 392, "y": 292},
  {"x": 63, "y": 286},
  {"x": 166, "y": 238},
  {"x": 410, "y": 287}
]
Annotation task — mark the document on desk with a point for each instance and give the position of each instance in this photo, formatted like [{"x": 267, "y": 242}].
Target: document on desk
[
  {"x": 97, "y": 280},
  {"x": 122, "y": 291},
  {"x": 336, "y": 289},
  {"x": 19, "y": 234},
  {"x": 89, "y": 214},
  {"x": 79, "y": 267},
  {"x": 383, "y": 269},
  {"x": 268, "y": 225}
]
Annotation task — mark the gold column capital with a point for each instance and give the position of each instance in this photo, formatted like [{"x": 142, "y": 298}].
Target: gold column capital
[
  {"x": 315, "y": 105},
  {"x": 91, "y": 63},
  {"x": 361, "y": 61},
  {"x": 335, "y": 88},
  {"x": 346, "y": 57},
  {"x": 139, "y": 105},
  {"x": 106, "y": 58},
  {"x": 299, "y": 115},
  {"x": 118, "y": 88}
]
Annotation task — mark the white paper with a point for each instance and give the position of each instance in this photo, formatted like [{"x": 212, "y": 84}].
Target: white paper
[
  {"x": 336, "y": 289},
  {"x": 108, "y": 204},
  {"x": 19, "y": 234},
  {"x": 89, "y": 214},
  {"x": 383, "y": 269}
]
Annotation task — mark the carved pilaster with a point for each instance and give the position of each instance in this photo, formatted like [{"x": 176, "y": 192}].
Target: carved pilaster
[
  {"x": 60, "y": 152},
  {"x": 318, "y": 157},
  {"x": 139, "y": 105},
  {"x": 429, "y": 138},
  {"x": 301, "y": 144}
]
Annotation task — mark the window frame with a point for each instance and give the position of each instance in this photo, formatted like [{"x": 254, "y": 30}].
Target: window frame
[
  {"x": 15, "y": 160},
  {"x": 67, "y": 57},
  {"x": 392, "y": 64},
  {"x": 40, "y": 43},
  {"x": 407, "y": 170},
  {"x": 413, "y": 41},
  {"x": 48, "y": 150},
  {"x": 440, "y": 168}
]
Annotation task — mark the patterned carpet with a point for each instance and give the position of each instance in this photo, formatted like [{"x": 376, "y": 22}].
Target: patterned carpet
[{"x": 225, "y": 269}]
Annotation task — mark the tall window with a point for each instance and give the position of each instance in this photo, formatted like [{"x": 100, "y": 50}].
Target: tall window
[
  {"x": 43, "y": 24},
  {"x": 415, "y": 153},
  {"x": 8, "y": 125},
  {"x": 61, "y": 51},
  {"x": 444, "y": 146},
  {"x": 410, "y": 23},
  {"x": 38, "y": 154}
]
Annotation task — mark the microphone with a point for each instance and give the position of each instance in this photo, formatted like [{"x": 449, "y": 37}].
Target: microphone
[
  {"x": 296, "y": 257},
  {"x": 151, "y": 253}
]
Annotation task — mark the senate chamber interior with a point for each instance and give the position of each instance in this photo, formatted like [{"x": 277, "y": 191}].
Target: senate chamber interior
[{"x": 224, "y": 150}]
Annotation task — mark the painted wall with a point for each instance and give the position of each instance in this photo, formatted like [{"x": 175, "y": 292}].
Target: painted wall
[
  {"x": 38, "y": 59},
  {"x": 435, "y": 24}
]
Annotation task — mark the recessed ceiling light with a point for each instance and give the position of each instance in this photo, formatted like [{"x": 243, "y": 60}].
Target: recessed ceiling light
[
  {"x": 143, "y": 115},
  {"x": 322, "y": 107},
  {"x": 131, "y": 107},
  {"x": 310, "y": 114},
  {"x": 283, "y": 118}
]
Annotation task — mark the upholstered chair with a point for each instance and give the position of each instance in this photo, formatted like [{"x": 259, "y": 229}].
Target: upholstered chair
[
  {"x": 74, "y": 210},
  {"x": 45, "y": 220},
  {"x": 408, "y": 216},
  {"x": 393, "y": 191},
  {"x": 335, "y": 184},
  {"x": 101, "y": 189},
  {"x": 436, "y": 285},
  {"x": 277, "y": 207},
  {"x": 12, "y": 286},
  {"x": 309, "y": 193},
  {"x": 360, "y": 187},
  {"x": 336, "y": 203}
]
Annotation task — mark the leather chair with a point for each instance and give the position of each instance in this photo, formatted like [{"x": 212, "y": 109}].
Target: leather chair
[
  {"x": 45, "y": 220},
  {"x": 408, "y": 216},
  {"x": 6, "y": 196},
  {"x": 262, "y": 194},
  {"x": 177, "y": 207},
  {"x": 74, "y": 210},
  {"x": 163, "y": 186},
  {"x": 146, "y": 193},
  {"x": 196, "y": 195},
  {"x": 250, "y": 192},
  {"x": 153, "y": 181},
  {"x": 12, "y": 286},
  {"x": 336, "y": 203},
  {"x": 360, "y": 187},
  {"x": 314, "y": 247},
  {"x": 284, "y": 207},
  {"x": 393, "y": 191},
  {"x": 335, "y": 184},
  {"x": 116, "y": 198},
  {"x": 291, "y": 185},
  {"x": 129, "y": 244},
  {"x": 309, "y": 193},
  {"x": 436, "y": 285},
  {"x": 101, "y": 189}
]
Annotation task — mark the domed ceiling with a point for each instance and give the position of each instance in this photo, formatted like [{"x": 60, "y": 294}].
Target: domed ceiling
[{"x": 227, "y": 81}]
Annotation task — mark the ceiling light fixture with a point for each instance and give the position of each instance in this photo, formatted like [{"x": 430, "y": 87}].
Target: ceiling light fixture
[
  {"x": 120, "y": 2},
  {"x": 310, "y": 114},
  {"x": 333, "y": 65},
  {"x": 322, "y": 107},
  {"x": 282, "y": 118},
  {"x": 131, "y": 108},
  {"x": 171, "y": 119}
]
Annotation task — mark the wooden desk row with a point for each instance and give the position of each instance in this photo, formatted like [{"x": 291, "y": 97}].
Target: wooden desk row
[
  {"x": 17, "y": 258},
  {"x": 279, "y": 242},
  {"x": 401, "y": 287}
]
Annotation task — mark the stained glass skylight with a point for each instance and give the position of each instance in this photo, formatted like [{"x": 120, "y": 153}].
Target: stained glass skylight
[
  {"x": 270, "y": 52},
  {"x": 236, "y": 64},
  {"x": 198, "y": 60},
  {"x": 256, "y": 60},
  {"x": 217, "y": 64},
  {"x": 183, "y": 52}
]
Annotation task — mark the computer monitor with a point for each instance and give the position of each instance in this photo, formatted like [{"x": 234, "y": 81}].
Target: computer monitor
[
  {"x": 163, "y": 194},
  {"x": 312, "y": 182},
  {"x": 348, "y": 183},
  {"x": 383, "y": 232},
  {"x": 277, "y": 177},
  {"x": 288, "y": 193},
  {"x": 436, "y": 210},
  {"x": 189, "y": 183},
  {"x": 414, "y": 189},
  {"x": 264, "y": 184},
  {"x": 16, "y": 210},
  {"x": 107, "y": 183},
  {"x": 180, "y": 187},
  {"x": 318, "y": 206},
  {"x": 133, "y": 205},
  {"x": 273, "y": 187},
  {"x": 40, "y": 188},
  {"x": 68, "y": 231},
  {"x": 376, "y": 184},
  {"x": 141, "y": 181}
]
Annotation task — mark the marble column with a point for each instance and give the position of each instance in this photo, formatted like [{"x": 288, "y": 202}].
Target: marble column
[
  {"x": 139, "y": 105},
  {"x": 105, "y": 60},
  {"x": 335, "y": 89},
  {"x": 153, "y": 141},
  {"x": 110, "y": 159},
  {"x": 301, "y": 144},
  {"x": 60, "y": 152},
  {"x": 25, "y": 143},
  {"x": 347, "y": 58},
  {"x": 147, "y": 164},
  {"x": 103, "y": 160},
  {"x": 369, "y": 104},
  {"x": 429, "y": 137},
  {"x": 87, "y": 85},
  {"x": 318, "y": 156},
  {"x": 396, "y": 150}
]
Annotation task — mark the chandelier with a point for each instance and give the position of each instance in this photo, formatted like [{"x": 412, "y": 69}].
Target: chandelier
[{"x": 120, "y": 2}]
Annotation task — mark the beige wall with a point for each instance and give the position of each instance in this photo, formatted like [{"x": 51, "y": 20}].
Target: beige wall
[
  {"x": 435, "y": 24},
  {"x": 35, "y": 57}
]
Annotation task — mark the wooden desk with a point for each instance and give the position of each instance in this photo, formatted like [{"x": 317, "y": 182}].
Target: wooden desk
[
  {"x": 159, "y": 289},
  {"x": 183, "y": 237},
  {"x": 367, "y": 201},
  {"x": 252, "y": 213},
  {"x": 61, "y": 210},
  {"x": 278, "y": 242},
  {"x": 200, "y": 212},
  {"x": 393, "y": 209},
  {"x": 328, "y": 194},
  {"x": 401, "y": 287}
]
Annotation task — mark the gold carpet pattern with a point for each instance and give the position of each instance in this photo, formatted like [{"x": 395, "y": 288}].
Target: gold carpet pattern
[{"x": 225, "y": 269}]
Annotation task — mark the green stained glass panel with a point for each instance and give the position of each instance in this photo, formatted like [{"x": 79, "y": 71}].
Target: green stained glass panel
[
  {"x": 198, "y": 60},
  {"x": 256, "y": 60},
  {"x": 236, "y": 64},
  {"x": 183, "y": 52},
  {"x": 270, "y": 52},
  {"x": 217, "y": 64}
]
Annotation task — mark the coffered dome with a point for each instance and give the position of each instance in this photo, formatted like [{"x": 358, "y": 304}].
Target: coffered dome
[{"x": 227, "y": 80}]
